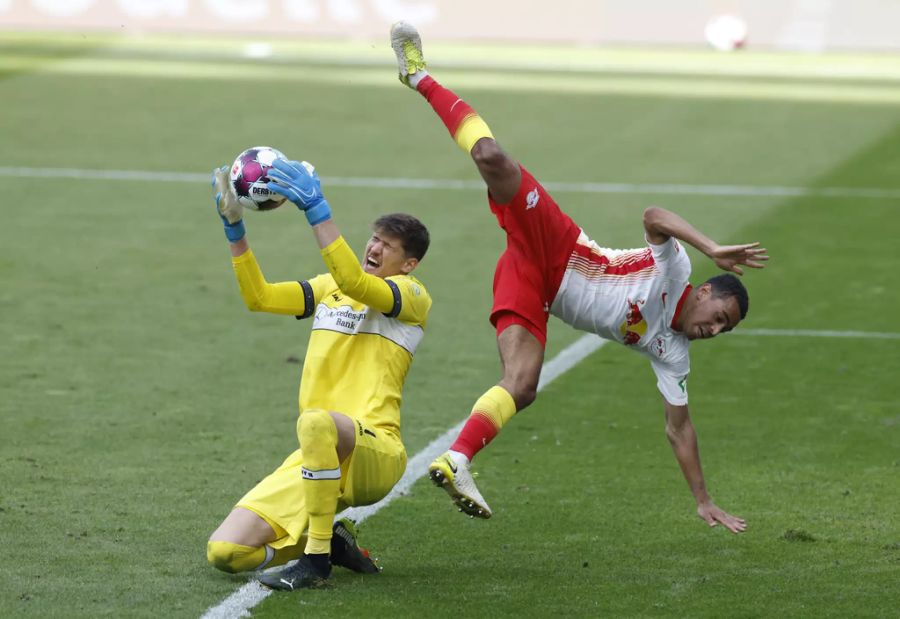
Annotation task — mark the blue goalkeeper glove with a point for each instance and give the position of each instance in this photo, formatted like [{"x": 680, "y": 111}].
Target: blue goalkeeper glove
[
  {"x": 227, "y": 206},
  {"x": 299, "y": 183}
]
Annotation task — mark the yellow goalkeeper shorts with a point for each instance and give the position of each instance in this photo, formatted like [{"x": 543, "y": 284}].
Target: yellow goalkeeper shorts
[{"x": 375, "y": 466}]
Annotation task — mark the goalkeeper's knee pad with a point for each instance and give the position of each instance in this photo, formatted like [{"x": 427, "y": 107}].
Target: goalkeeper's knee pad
[{"x": 233, "y": 558}]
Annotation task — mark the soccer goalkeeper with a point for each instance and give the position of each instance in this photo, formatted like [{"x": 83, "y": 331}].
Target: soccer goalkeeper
[
  {"x": 640, "y": 298},
  {"x": 367, "y": 321}
]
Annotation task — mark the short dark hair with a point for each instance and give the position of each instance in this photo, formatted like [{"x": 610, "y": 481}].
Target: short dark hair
[
  {"x": 727, "y": 285},
  {"x": 412, "y": 233}
]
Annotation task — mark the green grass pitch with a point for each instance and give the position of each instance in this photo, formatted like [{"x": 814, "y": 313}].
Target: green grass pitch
[{"x": 139, "y": 399}]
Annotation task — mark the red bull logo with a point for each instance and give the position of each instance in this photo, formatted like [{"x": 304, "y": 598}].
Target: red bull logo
[{"x": 634, "y": 326}]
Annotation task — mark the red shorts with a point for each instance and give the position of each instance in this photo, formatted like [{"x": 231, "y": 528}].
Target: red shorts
[{"x": 539, "y": 241}]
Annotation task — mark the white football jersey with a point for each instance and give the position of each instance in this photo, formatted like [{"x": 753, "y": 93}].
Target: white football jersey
[{"x": 632, "y": 297}]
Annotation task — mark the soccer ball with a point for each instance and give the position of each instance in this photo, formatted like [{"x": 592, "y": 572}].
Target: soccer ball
[
  {"x": 726, "y": 33},
  {"x": 249, "y": 179}
]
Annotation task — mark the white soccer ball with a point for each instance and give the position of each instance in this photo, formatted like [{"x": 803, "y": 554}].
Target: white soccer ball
[
  {"x": 250, "y": 180},
  {"x": 726, "y": 33}
]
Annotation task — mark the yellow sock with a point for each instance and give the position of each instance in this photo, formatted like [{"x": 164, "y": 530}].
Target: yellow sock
[
  {"x": 490, "y": 413},
  {"x": 288, "y": 553},
  {"x": 470, "y": 131},
  {"x": 497, "y": 405},
  {"x": 321, "y": 476}
]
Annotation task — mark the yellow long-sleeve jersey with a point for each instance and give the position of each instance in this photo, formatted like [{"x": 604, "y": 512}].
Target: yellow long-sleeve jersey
[{"x": 365, "y": 332}]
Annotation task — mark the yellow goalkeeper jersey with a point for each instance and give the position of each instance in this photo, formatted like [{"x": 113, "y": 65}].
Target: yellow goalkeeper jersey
[{"x": 365, "y": 331}]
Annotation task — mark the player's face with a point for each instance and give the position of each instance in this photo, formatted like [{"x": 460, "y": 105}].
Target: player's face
[
  {"x": 711, "y": 315},
  {"x": 385, "y": 256}
]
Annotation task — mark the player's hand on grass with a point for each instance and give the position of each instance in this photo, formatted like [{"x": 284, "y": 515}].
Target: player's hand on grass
[
  {"x": 227, "y": 206},
  {"x": 713, "y": 515},
  {"x": 729, "y": 257},
  {"x": 299, "y": 183}
]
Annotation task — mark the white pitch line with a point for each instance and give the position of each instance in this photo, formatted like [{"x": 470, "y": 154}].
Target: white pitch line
[
  {"x": 776, "y": 191},
  {"x": 239, "y": 603},
  {"x": 863, "y": 335}
]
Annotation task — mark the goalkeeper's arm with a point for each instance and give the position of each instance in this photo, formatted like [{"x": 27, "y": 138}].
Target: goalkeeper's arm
[
  {"x": 289, "y": 298},
  {"x": 299, "y": 183},
  {"x": 344, "y": 266}
]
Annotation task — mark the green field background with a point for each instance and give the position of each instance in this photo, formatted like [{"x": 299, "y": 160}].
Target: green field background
[{"x": 140, "y": 399}]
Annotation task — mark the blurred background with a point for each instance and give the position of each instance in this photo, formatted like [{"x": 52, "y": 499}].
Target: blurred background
[{"x": 803, "y": 25}]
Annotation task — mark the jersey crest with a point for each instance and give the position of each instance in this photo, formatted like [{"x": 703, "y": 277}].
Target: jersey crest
[
  {"x": 531, "y": 200},
  {"x": 634, "y": 326}
]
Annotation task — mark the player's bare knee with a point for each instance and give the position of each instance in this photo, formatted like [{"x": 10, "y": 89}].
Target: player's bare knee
[
  {"x": 500, "y": 172},
  {"x": 489, "y": 157}
]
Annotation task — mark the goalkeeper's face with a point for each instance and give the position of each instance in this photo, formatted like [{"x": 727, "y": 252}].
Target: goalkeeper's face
[{"x": 385, "y": 256}]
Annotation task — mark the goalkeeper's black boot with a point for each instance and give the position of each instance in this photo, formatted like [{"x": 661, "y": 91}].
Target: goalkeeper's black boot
[
  {"x": 345, "y": 551},
  {"x": 309, "y": 572}
]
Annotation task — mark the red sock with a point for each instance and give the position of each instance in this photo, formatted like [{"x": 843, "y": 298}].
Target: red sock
[
  {"x": 452, "y": 110},
  {"x": 475, "y": 435}
]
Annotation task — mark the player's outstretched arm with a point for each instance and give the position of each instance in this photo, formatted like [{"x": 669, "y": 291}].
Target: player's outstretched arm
[
  {"x": 660, "y": 225},
  {"x": 683, "y": 438},
  {"x": 258, "y": 294},
  {"x": 299, "y": 183}
]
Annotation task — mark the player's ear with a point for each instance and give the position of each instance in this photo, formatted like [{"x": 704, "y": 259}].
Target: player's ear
[
  {"x": 408, "y": 265},
  {"x": 703, "y": 291}
]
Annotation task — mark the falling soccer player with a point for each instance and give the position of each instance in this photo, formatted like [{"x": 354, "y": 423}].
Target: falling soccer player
[{"x": 640, "y": 298}]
